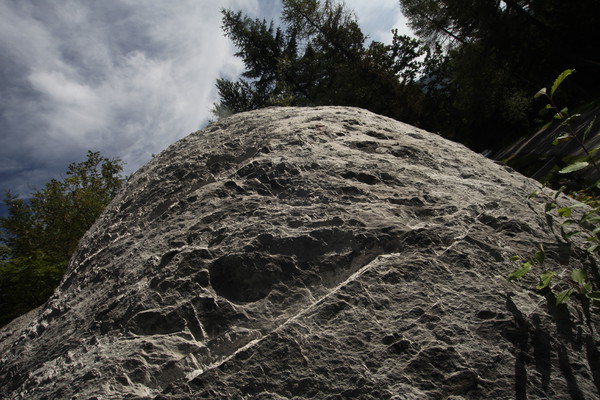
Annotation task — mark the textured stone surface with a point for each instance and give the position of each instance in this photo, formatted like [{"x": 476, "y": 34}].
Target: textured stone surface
[{"x": 324, "y": 253}]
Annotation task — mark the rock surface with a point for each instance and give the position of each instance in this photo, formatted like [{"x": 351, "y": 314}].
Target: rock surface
[{"x": 322, "y": 253}]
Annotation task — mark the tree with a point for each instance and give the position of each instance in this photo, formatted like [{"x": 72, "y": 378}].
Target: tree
[
  {"x": 497, "y": 53},
  {"x": 39, "y": 235},
  {"x": 319, "y": 57}
]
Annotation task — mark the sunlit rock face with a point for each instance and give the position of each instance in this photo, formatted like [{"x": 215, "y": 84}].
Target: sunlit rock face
[{"x": 310, "y": 253}]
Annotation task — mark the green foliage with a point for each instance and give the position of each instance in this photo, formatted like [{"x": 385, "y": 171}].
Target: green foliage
[
  {"x": 559, "y": 80},
  {"x": 525, "y": 267},
  {"x": 496, "y": 54},
  {"x": 40, "y": 235},
  {"x": 319, "y": 57},
  {"x": 521, "y": 272},
  {"x": 27, "y": 282},
  {"x": 545, "y": 279},
  {"x": 586, "y": 225},
  {"x": 577, "y": 281},
  {"x": 566, "y": 122}
]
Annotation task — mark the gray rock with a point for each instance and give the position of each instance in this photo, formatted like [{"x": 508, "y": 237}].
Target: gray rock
[{"x": 324, "y": 253}]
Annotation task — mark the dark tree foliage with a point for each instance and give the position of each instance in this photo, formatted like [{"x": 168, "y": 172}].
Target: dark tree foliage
[
  {"x": 319, "y": 57},
  {"x": 39, "y": 235},
  {"x": 497, "y": 54},
  {"x": 471, "y": 75}
]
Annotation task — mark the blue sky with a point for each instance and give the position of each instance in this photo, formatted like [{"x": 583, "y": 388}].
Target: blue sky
[{"x": 123, "y": 77}]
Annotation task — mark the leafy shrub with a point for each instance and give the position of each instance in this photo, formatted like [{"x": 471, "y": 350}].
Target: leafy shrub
[{"x": 583, "y": 225}]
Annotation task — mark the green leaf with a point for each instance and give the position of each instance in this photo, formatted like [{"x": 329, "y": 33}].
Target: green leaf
[
  {"x": 578, "y": 205},
  {"x": 569, "y": 235},
  {"x": 533, "y": 194},
  {"x": 595, "y": 149},
  {"x": 539, "y": 256},
  {"x": 570, "y": 118},
  {"x": 550, "y": 206},
  {"x": 545, "y": 279},
  {"x": 564, "y": 296},
  {"x": 562, "y": 139},
  {"x": 590, "y": 214},
  {"x": 521, "y": 272},
  {"x": 574, "y": 167},
  {"x": 593, "y": 295},
  {"x": 592, "y": 219},
  {"x": 540, "y": 93},
  {"x": 564, "y": 211},
  {"x": 515, "y": 258},
  {"x": 588, "y": 129},
  {"x": 569, "y": 222},
  {"x": 579, "y": 276},
  {"x": 560, "y": 79}
]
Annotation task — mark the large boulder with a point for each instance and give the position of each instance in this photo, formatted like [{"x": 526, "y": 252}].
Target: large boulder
[{"x": 323, "y": 253}]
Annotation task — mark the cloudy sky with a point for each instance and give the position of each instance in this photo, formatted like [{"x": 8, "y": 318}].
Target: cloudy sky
[{"x": 123, "y": 77}]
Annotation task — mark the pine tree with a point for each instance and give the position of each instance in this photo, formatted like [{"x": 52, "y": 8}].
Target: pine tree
[{"x": 319, "y": 57}]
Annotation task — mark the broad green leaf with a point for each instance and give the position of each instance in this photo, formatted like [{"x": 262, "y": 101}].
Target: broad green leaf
[
  {"x": 593, "y": 295},
  {"x": 564, "y": 296},
  {"x": 564, "y": 211},
  {"x": 521, "y": 272},
  {"x": 560, "y": 80},
  {"x": 533, "y": 194},
  {"x": 588, "y": 129},
  {"x": 545, "y": 279},
  {"x": 574, "y": 167},
  {"x": 578, "y": 275}
]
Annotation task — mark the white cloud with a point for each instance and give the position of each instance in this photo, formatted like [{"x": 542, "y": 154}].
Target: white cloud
[{"x": 124, "y": 77}]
